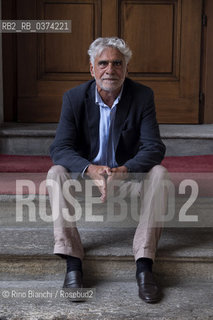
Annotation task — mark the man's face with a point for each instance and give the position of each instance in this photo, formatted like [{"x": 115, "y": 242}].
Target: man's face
[{"x": 109, "y": 70}]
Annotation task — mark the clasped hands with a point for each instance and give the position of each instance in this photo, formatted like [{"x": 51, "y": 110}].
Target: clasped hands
[{"x": 103, "y": 177}]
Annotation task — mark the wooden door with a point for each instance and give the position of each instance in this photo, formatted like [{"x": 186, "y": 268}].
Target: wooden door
[{"x": 164, "y": 35}]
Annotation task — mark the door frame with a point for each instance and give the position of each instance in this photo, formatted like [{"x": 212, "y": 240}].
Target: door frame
[
  {"x": 9, "y": 65},
  {"x": 206, "y": 82}
]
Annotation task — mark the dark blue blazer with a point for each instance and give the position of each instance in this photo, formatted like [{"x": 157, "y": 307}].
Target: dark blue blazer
[{"x": 136, "y": 134}]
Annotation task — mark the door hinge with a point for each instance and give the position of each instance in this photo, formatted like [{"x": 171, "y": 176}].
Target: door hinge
[
  {"x": 204, "y": 20},
  {"x": 201, "y": 98}
]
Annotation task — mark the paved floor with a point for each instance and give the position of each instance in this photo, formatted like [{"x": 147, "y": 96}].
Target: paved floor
[{"x": 113, "y": 300}]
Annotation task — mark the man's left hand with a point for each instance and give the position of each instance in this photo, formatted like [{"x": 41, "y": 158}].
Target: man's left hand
[{"x": 119, "y": 173}]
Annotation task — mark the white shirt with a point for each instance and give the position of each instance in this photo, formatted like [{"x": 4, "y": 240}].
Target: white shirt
[{"x": 106, "y": 153}]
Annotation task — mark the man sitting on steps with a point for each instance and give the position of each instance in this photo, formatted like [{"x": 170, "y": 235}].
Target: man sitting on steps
[{"x": 108, "y": 130}]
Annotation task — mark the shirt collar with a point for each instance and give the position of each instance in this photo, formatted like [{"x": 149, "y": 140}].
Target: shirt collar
[{"x": 100, "y": 102}]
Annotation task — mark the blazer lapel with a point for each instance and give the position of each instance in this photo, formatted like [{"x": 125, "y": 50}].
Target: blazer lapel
[
  {"x": 93, "y": 118},
  {"x": 121, "y": 114}
]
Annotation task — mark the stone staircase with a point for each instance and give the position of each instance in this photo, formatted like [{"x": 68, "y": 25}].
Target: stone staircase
[
  {"x": 184, "y": 263},
  {"x": 183, "y": 268}
]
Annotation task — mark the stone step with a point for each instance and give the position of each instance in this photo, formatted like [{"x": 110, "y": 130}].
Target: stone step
[
  {"x": 183, "y": 140},
  {"x": 182, "y": 253},
  {"x": 26, "y": 138},
  {"x": 110, "y": 301},
  {"x": 34, "y": 210},
  {"x": 185, "y": 248},
  {"x": 35, "y": 139}
]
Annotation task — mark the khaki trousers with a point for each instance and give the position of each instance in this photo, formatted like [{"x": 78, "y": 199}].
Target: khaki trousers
[{"x": 153, "y": 195}]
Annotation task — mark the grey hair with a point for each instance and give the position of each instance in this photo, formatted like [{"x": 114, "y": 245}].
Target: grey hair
[{"x": 100, "y": 44}]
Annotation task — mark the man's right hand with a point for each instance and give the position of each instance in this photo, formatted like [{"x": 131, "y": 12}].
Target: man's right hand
[{"x": 99, "y": 175}]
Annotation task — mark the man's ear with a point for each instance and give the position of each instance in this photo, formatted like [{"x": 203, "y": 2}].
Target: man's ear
[{"x": 92, "y": 70}]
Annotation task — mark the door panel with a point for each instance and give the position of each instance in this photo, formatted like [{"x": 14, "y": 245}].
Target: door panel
[
  {"x": 165, "y": 37},
  {"x": 59, "y": 61},
  {"x": 153, "y": 42}
]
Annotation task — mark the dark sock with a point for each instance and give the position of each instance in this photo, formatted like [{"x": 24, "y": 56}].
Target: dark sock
[
  {"x": 73, "y": 264},
  {"x": 143, "y": 264}
]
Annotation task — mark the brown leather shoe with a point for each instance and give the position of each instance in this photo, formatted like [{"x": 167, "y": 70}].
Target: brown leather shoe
[
  {"x": 148, "y": 289},
  {"x": 73, "y": 279}
]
